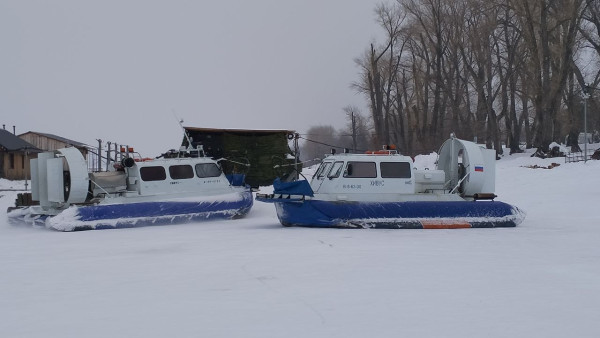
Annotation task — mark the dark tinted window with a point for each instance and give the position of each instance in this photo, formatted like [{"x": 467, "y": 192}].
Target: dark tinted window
[
  {"x": 361, "y": 170},
  {"x": 207, "y": 170},
  {"x": 395, "y": 170},
  {"x": 179, "y": 172},
  {"x": 153, "y": 173}
]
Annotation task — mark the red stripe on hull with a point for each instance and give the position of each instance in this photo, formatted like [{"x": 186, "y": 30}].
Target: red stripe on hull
[{"x": 433, "y": 224}]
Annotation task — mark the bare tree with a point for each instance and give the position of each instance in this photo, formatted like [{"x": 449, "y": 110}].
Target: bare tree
[
  {"x": 549, "y": 28},
  {"x": 378, "y": 68},
  {"x": 357, "y": 129},
  {"x": 428, "y": 20},
  {"x": 590, "y": 31},
  {"x": 509, "y": 54},
  {"x": 319, "y": 140},
  {"x": 491, "y": 69}
]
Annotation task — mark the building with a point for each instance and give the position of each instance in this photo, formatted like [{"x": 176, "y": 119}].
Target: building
[
  {"x": 48, "y": 142},
  {"x": 267, "y": 151},
  {"x": 14, "y": 156}
]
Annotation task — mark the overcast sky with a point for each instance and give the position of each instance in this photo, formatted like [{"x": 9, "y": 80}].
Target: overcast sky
[{"x": 116, "y": 70}]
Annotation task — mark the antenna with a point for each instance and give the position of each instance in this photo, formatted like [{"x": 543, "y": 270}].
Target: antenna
[{"x": 180, "y": 121}]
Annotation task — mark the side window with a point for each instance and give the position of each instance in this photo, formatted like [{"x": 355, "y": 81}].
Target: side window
[
  {"x": 395, "y": 170},
  {"x": 179, "y": 172},
  {"x": 336, "y": 170},
  {"x": 361, "y": 170},
  {"x": 326, "y": 167},
  {"x": 153, "y": 174},
  {"x": 207, "y": 170}
]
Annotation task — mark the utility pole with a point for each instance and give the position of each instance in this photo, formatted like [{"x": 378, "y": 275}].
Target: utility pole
[
  {"x": 99, "y": 154},
  {"x": 353, "y": 132},
  {"x": 108, "y": 149},
  {"x": 296, "y": 154},
  {"x": 586, "y": 96}
]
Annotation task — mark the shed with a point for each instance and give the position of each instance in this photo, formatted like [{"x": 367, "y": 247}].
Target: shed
[
  {"x": 46, "y": 142},
  {"x": 270, "y": 153},
  {"x": 14, "y": 156}
]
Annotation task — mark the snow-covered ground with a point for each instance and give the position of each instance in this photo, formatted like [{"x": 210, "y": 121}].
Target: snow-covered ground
[{"x": 254, "y": 278}]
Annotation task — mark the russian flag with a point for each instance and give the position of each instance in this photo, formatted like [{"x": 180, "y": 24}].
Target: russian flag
[{"x": 479, "y": 168}]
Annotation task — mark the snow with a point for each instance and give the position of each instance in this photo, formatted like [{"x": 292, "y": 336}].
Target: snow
[
  {"x": 254, "y": 278},
  {"x": 425, "y": 161},
  {"x": 70, "y": 220}
]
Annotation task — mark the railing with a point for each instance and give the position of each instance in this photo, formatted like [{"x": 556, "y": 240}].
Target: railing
[{"x": 579, "y": 156}]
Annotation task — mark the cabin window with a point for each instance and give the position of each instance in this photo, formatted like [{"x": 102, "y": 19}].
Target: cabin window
[
  {"x": 324, "y": 169},
  {"x": 153, "y": 173},
  {"x": 207, "y": 170},
  {"x": 395, "y": 170},
  {"x": 180, "y": 172},
  {"x": 336, "y": 170},
  {"x": 11, "y": 161},
  {"x": 361, "y": 170}
]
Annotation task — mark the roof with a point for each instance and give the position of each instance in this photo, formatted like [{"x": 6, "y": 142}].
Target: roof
[
  {"x": 12, "y": 142},
  {"x": 240, "y": 131},
  {"x": 59, "y": 138}
]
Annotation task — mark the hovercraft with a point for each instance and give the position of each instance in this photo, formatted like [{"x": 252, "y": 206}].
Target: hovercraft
[
  {"x": 182, "y": 187},
  {"x": 382, "y": 189}
]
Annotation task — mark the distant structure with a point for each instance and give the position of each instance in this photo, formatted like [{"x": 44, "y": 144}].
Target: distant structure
[
  {"x": 14, "y": 156},
  {"x": 46, "y": 142},
  {"x": 270, "y": 153}
]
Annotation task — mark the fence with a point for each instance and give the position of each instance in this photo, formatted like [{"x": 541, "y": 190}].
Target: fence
[{"x": 579, "y": 156}]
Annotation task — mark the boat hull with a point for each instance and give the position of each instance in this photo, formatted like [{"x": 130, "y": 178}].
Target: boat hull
[
  {"x": 399, "y": 215},
  {"x": 147, "y": 213}
]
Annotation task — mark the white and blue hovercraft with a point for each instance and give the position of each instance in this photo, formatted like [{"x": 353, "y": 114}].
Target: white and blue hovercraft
[
  {"x": 179, "y": 187},
  {"x": 381, "y": 189}
]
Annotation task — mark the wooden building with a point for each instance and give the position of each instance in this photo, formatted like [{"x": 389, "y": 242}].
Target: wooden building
[
  {"x": 14, "y": 156},
  {"x": 46, "y": 142},
  {"x": 270, "y": 153}
]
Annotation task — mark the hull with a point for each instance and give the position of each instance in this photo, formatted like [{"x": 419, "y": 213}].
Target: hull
[
  {"x": 399, "y": 215},
  {"x": 383, "y": 189},
  {"x": 132, "y": 214}
]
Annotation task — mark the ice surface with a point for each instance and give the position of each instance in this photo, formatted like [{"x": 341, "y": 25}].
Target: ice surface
[{"x": 254, "y": 278}]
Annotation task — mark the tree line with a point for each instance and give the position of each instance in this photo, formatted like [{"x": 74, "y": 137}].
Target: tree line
[
  {"x": 498, "y": 71},
  {"x": 355, "y": 136}
]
